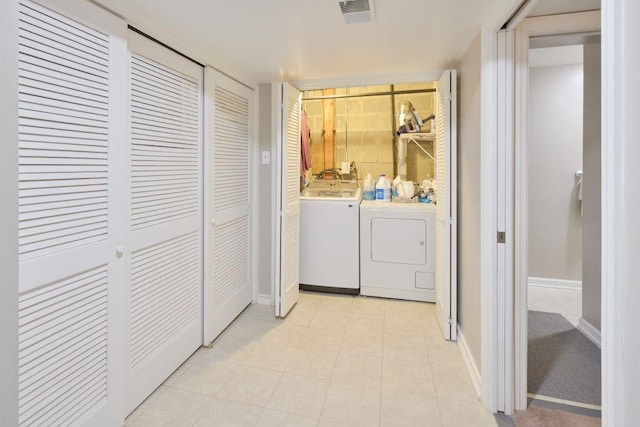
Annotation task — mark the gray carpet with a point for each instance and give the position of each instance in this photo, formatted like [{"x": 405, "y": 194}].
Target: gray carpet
[{"x": 563, "y": 363}]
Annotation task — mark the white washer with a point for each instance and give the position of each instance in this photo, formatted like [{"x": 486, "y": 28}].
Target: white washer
[
  {"x": 398, "y": 250},
  {"x": 329, "y": 235}
]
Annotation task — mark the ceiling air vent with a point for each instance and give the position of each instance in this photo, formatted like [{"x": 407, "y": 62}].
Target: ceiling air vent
[{"x": 357, "y": 10}]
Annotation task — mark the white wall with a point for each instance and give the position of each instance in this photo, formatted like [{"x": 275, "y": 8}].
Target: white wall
[
  {"x": 469, "y": 188},
  {"x": 266, "y": 198},
  {"x": 592, "y": 188},
  {"x": 9, "y": 214},
  {"x": 554, "y": 154}
]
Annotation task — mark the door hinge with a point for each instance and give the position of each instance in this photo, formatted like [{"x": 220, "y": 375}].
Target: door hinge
[
  {"x": 502, "y": 238},
  {"x": 450, "y": 320}
]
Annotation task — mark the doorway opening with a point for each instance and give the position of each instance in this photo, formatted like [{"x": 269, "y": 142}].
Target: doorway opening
[{"x": 563, "y": 220}]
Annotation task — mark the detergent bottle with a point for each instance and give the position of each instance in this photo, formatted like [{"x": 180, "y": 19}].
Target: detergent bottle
[
  {"x": 383, "y": 189},
  {"x": 369, "y": 188}
]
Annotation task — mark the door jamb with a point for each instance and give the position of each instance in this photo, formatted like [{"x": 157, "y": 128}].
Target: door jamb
[
  {"x": 613, "y": 223},
  {"x": 276, "y": 131},
  {"x": 538, "y": 26}
]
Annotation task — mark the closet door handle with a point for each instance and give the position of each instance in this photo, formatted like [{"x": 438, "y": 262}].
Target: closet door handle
[
  {"x": 119, "y": 251},
  {"x": 213, "y": 221}
]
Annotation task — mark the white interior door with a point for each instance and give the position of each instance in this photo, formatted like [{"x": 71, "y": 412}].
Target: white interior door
[
  {"x": 228, "y": 109},
  {"x": 71, "y": 75},
  {"x": 288, "y": 230},
  {"x": 165, "y": 228},
  {"x": 446, "y": 283}
]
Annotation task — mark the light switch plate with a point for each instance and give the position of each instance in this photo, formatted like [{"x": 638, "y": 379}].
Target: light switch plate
[{"x": 266, "y": 157}]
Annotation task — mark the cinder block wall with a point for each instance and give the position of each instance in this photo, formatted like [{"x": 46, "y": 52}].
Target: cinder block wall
[{"x": 365, "y": 131}]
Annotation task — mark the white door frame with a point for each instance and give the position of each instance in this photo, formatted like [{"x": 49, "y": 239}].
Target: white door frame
[
  {"x": 530, "y": 27},
  {"x": 9, "y": 216},
  {"x": 504, "y": 220},
  {"x": 613, "y": 221}
]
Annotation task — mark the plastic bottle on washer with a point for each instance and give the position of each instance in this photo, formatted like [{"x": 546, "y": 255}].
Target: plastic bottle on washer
[
  {"x": 383, "y": 189},
  {"x": 369, "y": 188}
]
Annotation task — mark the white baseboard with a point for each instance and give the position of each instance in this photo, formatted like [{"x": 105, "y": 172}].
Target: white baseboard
[
  {"x": 590, "y": 331},
  {"x": 474, "y": 373},
  {"x": 264, "y": 299},
  {"x": 543, "y": 282}
]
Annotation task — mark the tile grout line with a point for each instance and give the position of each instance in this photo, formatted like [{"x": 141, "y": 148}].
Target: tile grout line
[
  {"x": 384, "y": 324},
  {"x": 266, "y": 405},
  {"x": 324, "y": 400},
  {"x": 433, "y": 379}
]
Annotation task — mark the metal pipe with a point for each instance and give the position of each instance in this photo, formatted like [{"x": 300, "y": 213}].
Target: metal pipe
[
  {"x": 394, "y": 126},
  {"x": 358, "y": 95}
]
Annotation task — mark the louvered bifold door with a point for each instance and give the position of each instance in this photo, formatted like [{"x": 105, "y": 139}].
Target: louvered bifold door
[
  {"x": 289, "y": 157},
  {"x": 72, "y": 75},
  {"x": 446, "y": 288},
  {"x": 228, "y": 290},
  {"x": 164, "y": 311}
]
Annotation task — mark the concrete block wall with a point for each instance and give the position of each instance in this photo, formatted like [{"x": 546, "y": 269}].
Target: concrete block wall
[
  {"x": 364, "y": 134},
  {"x": 365, "y": 131}
]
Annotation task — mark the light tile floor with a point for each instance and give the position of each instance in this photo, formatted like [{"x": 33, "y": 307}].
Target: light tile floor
[
  {"x": 567, "y": 302},
  {"x": 334, "y": 361}
]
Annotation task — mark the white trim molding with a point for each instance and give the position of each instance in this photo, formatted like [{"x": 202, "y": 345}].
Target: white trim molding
[
  {"x": 590, "y": 331},
  {"x": 264, "y": 299},
  {"x": 613, "y": 329},
  {"x": 474, "y": 373},
  {"x": 544, "y": 282},
  {"x": 9, "y": 265}
]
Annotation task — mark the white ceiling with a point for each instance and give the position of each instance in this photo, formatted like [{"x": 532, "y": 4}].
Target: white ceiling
[
  {"x": 556, "y": 7},
  {"x": 307, "y": 40}
]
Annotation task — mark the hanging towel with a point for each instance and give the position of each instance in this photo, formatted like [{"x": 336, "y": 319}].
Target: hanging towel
[{"x": 305, "y": 143}]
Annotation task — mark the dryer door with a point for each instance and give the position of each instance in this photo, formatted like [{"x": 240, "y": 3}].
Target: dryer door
[{"x": 399, "y": 241}]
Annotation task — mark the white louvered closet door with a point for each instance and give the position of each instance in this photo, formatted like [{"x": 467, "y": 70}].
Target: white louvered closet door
[
  {"x": 164, "y": 322},
  {"x": 289, "y": 167},
  {"x": 228, "y": 290},
  {"x": 71, "y": 75},
  {"x": 446, "y": 284}
]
